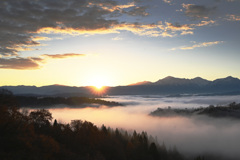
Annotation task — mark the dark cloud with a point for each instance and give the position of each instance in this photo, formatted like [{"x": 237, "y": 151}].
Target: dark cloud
[
  {"x": 20, "y": 20},
  {"x": 60, "y": 56},
  {"x": 138, "y": 11},
  {"x": 198, "y": 11},
  {"x": 20, "y": 63},
  {"x": 30, "y": 63}
]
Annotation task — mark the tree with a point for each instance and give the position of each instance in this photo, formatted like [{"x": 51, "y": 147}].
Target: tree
[
  {"x": 153, "y": 151},
  {"x": 55, "y": 123},
  {"x": 41, "y": 117},
  {"x": 7, "y": 99}
]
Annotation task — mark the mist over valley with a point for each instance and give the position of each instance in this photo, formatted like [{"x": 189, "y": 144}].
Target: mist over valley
[{"x": 192, "y": 135}]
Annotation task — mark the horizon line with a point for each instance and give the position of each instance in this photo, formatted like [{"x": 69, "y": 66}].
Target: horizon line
[{"x": 131, "y": 84}]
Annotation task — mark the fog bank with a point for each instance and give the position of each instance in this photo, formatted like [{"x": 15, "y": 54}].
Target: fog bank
[{"x": 191, "y": 135}]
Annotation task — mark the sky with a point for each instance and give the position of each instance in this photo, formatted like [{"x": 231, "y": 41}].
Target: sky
[{"x": 107, "y": 42}]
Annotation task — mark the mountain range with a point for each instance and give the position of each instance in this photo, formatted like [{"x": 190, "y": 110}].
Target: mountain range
[
  {"x": 176, "y": 81},
  {"x": 166, "y": 86}
]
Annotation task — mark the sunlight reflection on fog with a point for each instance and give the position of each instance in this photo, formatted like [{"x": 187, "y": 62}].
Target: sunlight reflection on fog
[{"x": 196, "y": 134}]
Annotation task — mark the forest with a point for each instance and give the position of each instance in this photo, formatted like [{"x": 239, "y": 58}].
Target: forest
[
  {"x": 48, "y": 102},
  {"x": 220, "y": 111},
  {"x": 52, "y": 101},
  {"x": 34, "y": 136}
]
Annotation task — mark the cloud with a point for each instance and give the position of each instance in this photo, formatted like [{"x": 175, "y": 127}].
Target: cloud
[
  {"x": 20, "y": 63},
  {"x": 61, "y": 56},
  {"x": 117, "y": 38},
  {"x": 186, "y": 32},
  {"x": 233, "y": 17},
  {"x": 21, "y": 21},
  {"x": 138, "y": 11},
  {"x": 198, "y": 11},
  {"x": 204, "y": 44},
  {"x": 76, "y": 31},
  {"x": 166, "y": 34},
  {"x": 150, "y": 30},
  {"x": 178, "y": 27},
  {"x": 167, "y": 1},
  {"x": 38, "y": 38},
  {"x": 111, "y": 5},
  {"x": 31, "y": 63},
  {"x": 161, "y": 29},
  {"x": 171, "y": 30},
  {"x": 204, "y": 23}
]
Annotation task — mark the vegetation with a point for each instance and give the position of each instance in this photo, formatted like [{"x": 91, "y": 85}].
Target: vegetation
[
  {"x": 46, "y": 102},
  {"x": 232, "y": 110},
  {"x": 32, "y": 136}
]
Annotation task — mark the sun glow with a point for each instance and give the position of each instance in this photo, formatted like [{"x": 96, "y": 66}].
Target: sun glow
[
  {"x": 99, "y": 82},
  {"x": 98, "y": 86}
]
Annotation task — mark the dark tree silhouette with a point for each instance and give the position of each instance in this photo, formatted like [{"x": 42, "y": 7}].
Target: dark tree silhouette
[
  {"x": 41, "y": 117},
  {"x": 33, "y": 136}
]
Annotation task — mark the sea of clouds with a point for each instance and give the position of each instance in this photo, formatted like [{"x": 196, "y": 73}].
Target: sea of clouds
[{"x": 194, "y": 135}]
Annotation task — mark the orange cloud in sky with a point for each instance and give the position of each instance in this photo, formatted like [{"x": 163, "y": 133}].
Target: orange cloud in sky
[
  {"x": 39, "y": 38},
  {"x": 233, "y": 17},
  {"x": 204, "y": 23},
  {"x": 139, "y": 29},
  {"x": 186, "y": 32},
  {"x": 177, "y": 27},
  {"x": 31, "y": 63},
  {"x": 28, "y": 63},
  {"x": 170, "y": 29},
  {"x": 60, "y": 56},
  {"x": 112, "y": 6},
  {"x": 136, "y": 28},
  {"x": 22, "y": 47},
  {"x": 72, "y": 31},
  {"x": 204, "y": 44}
]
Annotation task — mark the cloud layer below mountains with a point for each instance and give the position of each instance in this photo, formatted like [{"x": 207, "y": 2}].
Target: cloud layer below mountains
[{"x": 192, "y": 135}]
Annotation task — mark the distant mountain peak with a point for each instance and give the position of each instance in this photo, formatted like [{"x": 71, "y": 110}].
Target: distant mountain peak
[
  {"x": 141, "y": 83},
  {"x": 169, "y": 80},
  {"x": 228, "y": 79},
  {"x": 197, "y": 78},
  {"x": 200, "y": 81},
  {"x": 169, "y": 77}
]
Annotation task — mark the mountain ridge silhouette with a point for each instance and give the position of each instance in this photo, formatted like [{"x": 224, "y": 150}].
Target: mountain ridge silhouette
[{"x": 167, "y": 85}]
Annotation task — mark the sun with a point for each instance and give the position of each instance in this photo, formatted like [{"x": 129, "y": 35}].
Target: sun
[
  {"x": 99, "y": 86},
  {"x": 99, "y": 82}
]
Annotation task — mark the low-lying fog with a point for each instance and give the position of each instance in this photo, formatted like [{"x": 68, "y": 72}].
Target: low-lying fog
[{"x": 195, "y": 135}]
